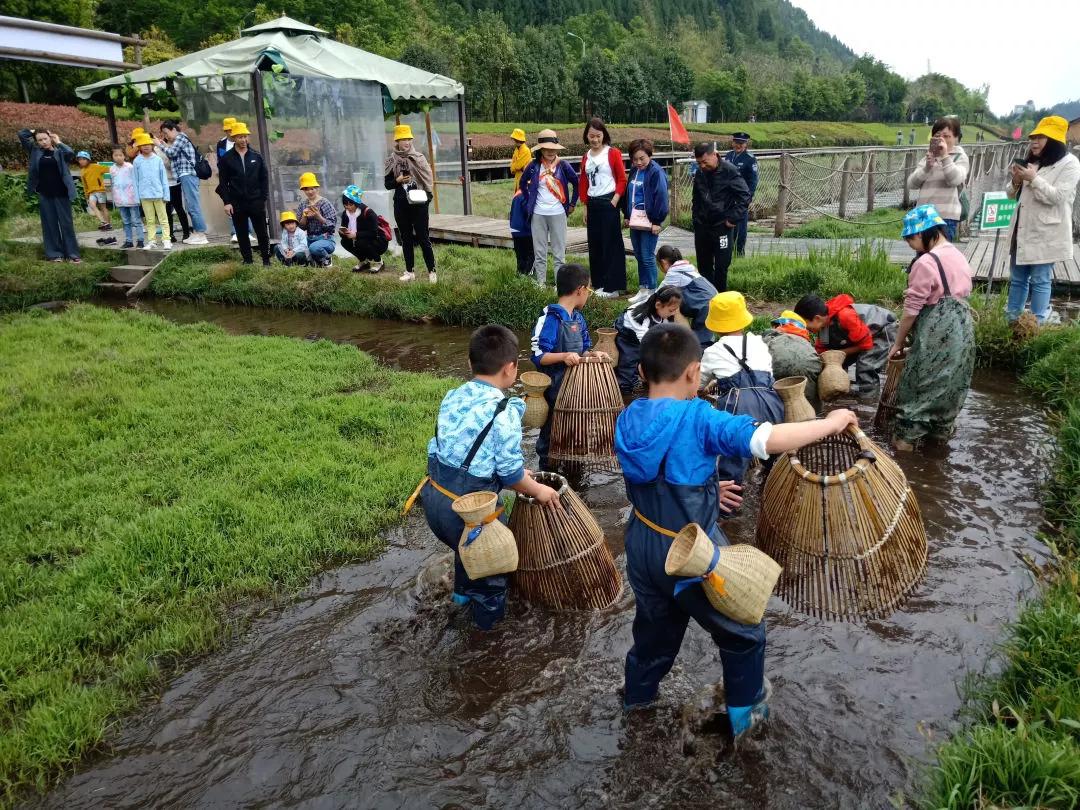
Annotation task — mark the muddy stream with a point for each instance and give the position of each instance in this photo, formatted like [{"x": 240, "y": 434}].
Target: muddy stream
[{"x": 369, "y": 689}]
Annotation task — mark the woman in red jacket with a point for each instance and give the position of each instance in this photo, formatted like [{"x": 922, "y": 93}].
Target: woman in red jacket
[{"x": 603, "y": 183}]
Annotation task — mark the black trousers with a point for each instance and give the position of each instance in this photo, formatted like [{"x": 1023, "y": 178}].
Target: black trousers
[
  {"x": 176, "y": 203},
  {"x": 714, "y": 248},
  {"x": 364, "y": 247},
  {"x": 412, "y": 225},
  {"x": 607, "y": 255},
  {"x": 255, "y": 213},
  {"x": 523, "y": 250}
]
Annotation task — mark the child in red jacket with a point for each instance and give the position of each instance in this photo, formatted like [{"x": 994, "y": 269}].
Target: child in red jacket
[{"x": 864, "y": 332}]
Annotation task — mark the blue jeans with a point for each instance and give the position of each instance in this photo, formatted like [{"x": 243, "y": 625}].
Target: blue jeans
[
  {"x": 950, "y": 229},
  {"x": 1036, "y": 277},
  {"x": 644, "y": 243},
  {"x": 189, "y": 184},
  {"x": 320, "y": 248},
  {"x": 132, "y": 219}
]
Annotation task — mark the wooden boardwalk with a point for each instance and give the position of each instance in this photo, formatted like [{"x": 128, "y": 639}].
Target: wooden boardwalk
[
  {"x": 488, "y": 232},
  {"x": 980, "y": 254}
]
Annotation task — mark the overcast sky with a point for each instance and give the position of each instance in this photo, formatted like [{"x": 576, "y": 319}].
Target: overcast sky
[{"x": 1022, "y": 50}]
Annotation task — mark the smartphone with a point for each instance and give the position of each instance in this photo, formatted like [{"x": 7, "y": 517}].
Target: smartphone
[{"x": 1020, "y": 162}]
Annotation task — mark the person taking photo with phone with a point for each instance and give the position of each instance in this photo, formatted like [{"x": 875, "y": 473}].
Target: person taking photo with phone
[{"x": 940, "y": 177}]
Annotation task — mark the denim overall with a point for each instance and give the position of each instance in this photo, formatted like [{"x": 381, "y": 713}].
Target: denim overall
[
  {"x": 751, "y": 393},
  {"x": 662, "y": 614},
  {"x": 570, "y": 339},
  {"x": 486, "y": 597}
]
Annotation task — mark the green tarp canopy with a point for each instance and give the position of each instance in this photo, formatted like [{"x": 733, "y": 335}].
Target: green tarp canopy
[{"x": 303, "y": 50}]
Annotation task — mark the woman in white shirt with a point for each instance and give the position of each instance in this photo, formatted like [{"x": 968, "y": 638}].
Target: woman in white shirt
[{"x": 603, "y": 184}]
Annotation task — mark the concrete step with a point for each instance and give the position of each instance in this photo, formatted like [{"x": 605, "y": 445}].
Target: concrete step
[
  {"x": 128, "y": 273},
  {"x": 145, "y": 257},
  {"x": 114, "y": 287}
]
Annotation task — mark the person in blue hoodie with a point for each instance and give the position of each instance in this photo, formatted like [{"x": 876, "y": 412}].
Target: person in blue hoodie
[
  {"x": 645, "y": 207},
  {"x": 697, "y": 291},
  {"x": 521, "y": 233},
  {"x": 560, "y": 339},
  {"x": 668, "y": 446}
]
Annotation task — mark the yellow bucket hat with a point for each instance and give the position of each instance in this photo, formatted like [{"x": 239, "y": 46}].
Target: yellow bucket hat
[
  {"x": 135, "y": 133},
  {"x": 728, "y": 313},
  {"x": 309, "y": 180},
  {"x": 287, "y": 216},
  {"x": 518, "y": 135},
  {"x": 403, "y": 132},
  {"x": 143, "y": 139},
  {"x": 227, "y": 123},
  {"x": 240, "y": 128},
  {"x": 1053, "y": 127}
]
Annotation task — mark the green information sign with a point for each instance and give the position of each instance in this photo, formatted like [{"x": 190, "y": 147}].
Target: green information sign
[{"x": 997, "y": 211}]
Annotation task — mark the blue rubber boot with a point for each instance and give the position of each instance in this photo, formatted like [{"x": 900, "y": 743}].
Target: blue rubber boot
[
  {"x": 744, "y": 718},
  {"x": 459, "y": 599}
]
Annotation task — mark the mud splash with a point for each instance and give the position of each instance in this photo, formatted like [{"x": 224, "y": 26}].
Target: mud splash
[{"x": 370, "y": 690}]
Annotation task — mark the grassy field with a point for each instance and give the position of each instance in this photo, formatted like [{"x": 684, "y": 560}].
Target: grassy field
[
  {"x": 154, "y": 475},
  {"x": 492, "y": 199},
  {"x": 881, "y": 223},
  {"x": 27, "y": 278}
]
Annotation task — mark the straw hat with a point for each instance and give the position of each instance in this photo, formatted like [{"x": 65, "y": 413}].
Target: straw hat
[
  {"x": 240, "y": 128},
  {"x": 548, "y": 139},
  {"x": 403, "y": 132},
  {"x": 287, "y": 216},
  {"x": 309, "y": 180},
  {"x": 728, "y": 313},
  {"x": 144, "y": 140},
  {"x": 228, "y": 123},
  {"x": 518, "y": 135},
  {"x": 738, "y": 580},
  {"x": 1053, "y": 127}
]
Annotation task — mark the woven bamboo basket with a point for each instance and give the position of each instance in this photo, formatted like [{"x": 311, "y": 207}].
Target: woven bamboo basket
[
  {"x": 583, "y": 425},
  {"x": 797, "y": 407},
  {"x": 743, "y": 580},
  {"x": 605, "y": 342},
  {"x": 564, "y": 562},
  {"x": 886, "y": 408},
  {"x": 833, "y": 381},
  {"x": 840, "y": 518},
  {"x": 536, "y": 407},
  {"x": 493, "y": 550}
]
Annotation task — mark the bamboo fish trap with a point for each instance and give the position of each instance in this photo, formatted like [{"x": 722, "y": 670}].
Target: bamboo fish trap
[
  {"x": 797, "y": 407},
  {"x": 841, "y": 520},
  {"x": 536, "y": 407},
  {"x": 605, "y": 342},
  {"x": 486, "y": 547},
  {"x": 563, "y": 562},
  {"x": 833, "y": 380},
  {"x": 583, "y": 425},
  {"x": 886, "y": 408}
]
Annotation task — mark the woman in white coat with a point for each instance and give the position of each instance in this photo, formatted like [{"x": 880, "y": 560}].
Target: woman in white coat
[{"x": 1041, "y": 230}]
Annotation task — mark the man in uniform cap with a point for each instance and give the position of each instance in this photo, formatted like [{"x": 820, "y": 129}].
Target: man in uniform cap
[{"x": 746, "y": 163}]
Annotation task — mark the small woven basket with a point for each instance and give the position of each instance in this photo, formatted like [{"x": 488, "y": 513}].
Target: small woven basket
[
  {"x": 792, "y": 392},
  {"x": 833, "y": 381},
  {"x": 747, "y": 575},
  {"x": 536, "y": 407},
  {"x": 886, "y": 408},
  {"x": 605, "y": 342},
  {"x": 493, "y": 551}
]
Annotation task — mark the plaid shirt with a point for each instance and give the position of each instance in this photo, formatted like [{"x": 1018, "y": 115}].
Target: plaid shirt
[
  {"x": 316, "y": 229},
  {"x": 182, "y": 155}
]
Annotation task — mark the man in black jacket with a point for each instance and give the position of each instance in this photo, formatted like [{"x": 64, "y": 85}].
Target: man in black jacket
[
  {"x": 244, "y": 187},
  {"x": 721, "y": 198}
]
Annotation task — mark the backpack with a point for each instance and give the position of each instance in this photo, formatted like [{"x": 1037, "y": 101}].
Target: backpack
[
  {"x": 384, "y": 227},
  {"x": 202, "y": 165}
]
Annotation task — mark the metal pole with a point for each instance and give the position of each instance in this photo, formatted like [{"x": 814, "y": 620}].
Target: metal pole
[
  {"x": 434, "y": 167},
  {"x": 993, "y": 261},
  {"x": 463, "y": 144}
]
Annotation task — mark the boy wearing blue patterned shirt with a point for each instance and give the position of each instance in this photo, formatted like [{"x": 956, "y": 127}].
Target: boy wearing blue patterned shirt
[
  {"x": 668, "y": 446},
  {"x": 476, "y": 448}
]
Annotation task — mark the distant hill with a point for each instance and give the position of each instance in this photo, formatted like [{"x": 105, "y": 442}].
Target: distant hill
[{"x": 1067, "y": 109}]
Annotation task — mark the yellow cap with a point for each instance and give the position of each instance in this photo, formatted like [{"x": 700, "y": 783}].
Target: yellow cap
[
  {"x": 1053, "y": 127},
  {"x": 287, "y": 216},
  {"x": 227, "y": 123},
  {"x": 402, "y": 132},
  {"x": 135, "y": 133},
  {"x": 519, "y": 135},
  {"x": 309, "y": 180},
  {"x": 240, "y": 128},
  {"x": 728, "y": 313},
  {"x": 143, "y": 140}
]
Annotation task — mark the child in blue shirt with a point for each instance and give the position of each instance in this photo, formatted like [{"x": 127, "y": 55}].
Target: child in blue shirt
[
  {"x": 560, "y": 339},
  {"x": 668, "y": 445},
  {"x": 476, "y": 448}
]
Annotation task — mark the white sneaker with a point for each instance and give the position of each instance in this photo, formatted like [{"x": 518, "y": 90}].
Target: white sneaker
[
  {"x": 432, "y": 279},
  {"x": 166, "y": 245},
  {"x": 642, "y": 295},
  {"x": 233, "y": 238},
  {"x": 197, "y": 239},
  {"x": 407, "y": 276},
  {"x": 606, "y": 294},
  {"x": 599, "y": 292}
]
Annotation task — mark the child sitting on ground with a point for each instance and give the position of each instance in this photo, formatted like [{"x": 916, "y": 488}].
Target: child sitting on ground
[
  {"x": 792, "y": 351},
  {"x": 477, "y": 448},
  {"x": 292, "y": 248},
  {"x": 360, "y": 234},
  {"x": 93, "y": 182},
  {"x": 126, "y": 198},
  {"x": 667, "y": 445},
  {"x": 864, "y": 332},
  {"x": 560, "y": 339},
  {"x": 631, "y": 326}
]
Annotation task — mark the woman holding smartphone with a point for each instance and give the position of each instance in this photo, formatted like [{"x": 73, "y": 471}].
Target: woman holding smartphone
[
  {"x": 408, "y": 175},
  {"x": 940, "y": 178}
]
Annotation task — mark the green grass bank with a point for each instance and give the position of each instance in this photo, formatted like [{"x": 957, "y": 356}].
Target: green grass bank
[
  {"x": 154, "y": 477},
  {"x": 26, "y": 278}
]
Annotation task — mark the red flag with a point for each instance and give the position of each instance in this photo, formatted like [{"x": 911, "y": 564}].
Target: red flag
[
  {"x": 676, "y": 128},
  {"x": 1017, "y": 134}
]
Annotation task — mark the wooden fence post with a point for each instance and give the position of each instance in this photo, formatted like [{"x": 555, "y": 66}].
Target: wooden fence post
[
  {"x": 845, "y": 181},
  {"x": 782, "y": 194},
  {"x": 909, "y": 167},
  {"x": 869, "y": 182}
]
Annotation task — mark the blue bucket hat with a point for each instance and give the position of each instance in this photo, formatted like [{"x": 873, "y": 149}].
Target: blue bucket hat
[
  {"x": 920, "y": 219},
  {"x": 83, "y": 154},
  {"x": 353, "y": 192}
]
